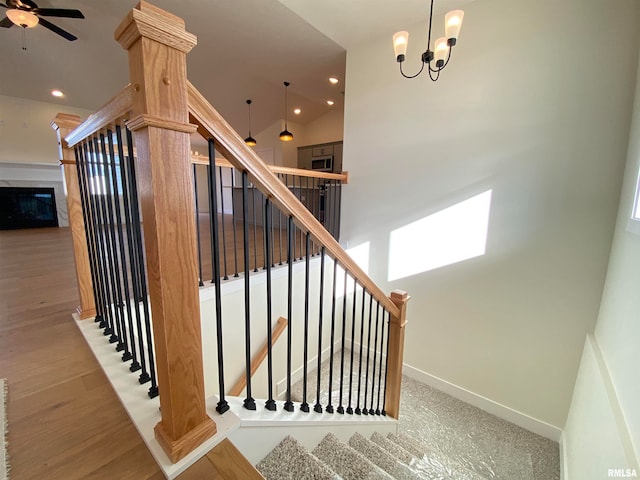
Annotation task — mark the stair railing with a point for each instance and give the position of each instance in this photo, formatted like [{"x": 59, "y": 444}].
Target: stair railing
[
  {"x": 157, "y": 113},
  {"x": 375, "y": 308}
]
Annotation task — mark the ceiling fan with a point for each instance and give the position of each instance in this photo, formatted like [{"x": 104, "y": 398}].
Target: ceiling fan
[{"x": 27, "y": 14}]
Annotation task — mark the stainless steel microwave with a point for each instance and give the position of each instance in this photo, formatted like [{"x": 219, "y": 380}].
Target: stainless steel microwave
[{"x": 322, "y": 164}]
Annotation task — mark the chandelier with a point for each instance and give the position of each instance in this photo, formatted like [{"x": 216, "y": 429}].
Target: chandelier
[{"x": 435, "y": 60}]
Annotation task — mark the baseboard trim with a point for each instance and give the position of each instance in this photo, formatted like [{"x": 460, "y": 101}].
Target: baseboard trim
[
  {"x": 564, "y": 461},
  {"x": 506, "y": 413}
]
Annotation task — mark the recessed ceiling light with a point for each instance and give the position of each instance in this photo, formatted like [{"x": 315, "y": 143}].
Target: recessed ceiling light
[
  {"x": 297, "y": 111},
  {"x": 333, "y": 80},
  {"x": 57, "y": 93},
  {"x": 330, "y": 102}
]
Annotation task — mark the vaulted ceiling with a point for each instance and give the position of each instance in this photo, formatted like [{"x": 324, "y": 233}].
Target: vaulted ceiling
[{"x": 246, "y": 49}]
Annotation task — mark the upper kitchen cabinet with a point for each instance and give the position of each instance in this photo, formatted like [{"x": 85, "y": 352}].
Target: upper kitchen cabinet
[{"x": 325, "y": 157}]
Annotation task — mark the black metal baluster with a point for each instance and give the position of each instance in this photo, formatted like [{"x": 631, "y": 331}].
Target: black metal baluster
[
  {"x": 305, "y": 406},
  {"x": 222, "y": 214},
  {"x": 222, "y": 405},
  {"x": 132, "y": 353},
  {"x": 386, "y": 366},
  {"x": 88, "y": 222},
  {"x": 300, "y": 198},
  {"x": 375, "y": 352},
  {"x": 106, "y": 229},
  {"x": 98, "y": 247},
  {"x": 336, "y": 209},
  {"x": 357, "y": 410},
  {"x": 249, "y": 403},
  {"x": 280, "y": 232},
  {"x": 270, "y": 404},
  {"x": 213, "y": 215},
  {"x": 384, "y": 312},
  {"x": 288, "y": 405},
  {"x": 255, "y": 227},
  {"x": 233, "y": 219},
  {"x": 344, "y": 324},
  {"x": 111, "y": 192},
  {"x": 366, "y": 375},
  {"x": 333, "y": 331},
  {"x": 102, "y": 238},
  {"x": 135, "y": 366},
  {"x": 339, "y": 209},
  {"x": 137, "y": 229},
  {"x": 195, "y": 197},
  {"x": 353, "y": 335},
  {"x": 318, "y": 407}
]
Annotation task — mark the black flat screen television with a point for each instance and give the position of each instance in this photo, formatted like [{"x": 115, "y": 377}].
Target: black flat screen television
[{"x": 27, "y": 207}]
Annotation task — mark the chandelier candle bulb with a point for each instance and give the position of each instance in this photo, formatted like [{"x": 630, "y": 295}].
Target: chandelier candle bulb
[
  {"x": 442, "y": 48},
  {"x": 452, "y": 24},
  {"x": 400, "y": 42}
]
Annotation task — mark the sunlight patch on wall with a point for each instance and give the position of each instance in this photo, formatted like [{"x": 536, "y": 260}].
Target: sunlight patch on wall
[{"x": 449, "y": 236}]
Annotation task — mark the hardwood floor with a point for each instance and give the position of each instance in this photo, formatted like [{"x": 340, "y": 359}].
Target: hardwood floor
[{"x": 65, "y": 421}]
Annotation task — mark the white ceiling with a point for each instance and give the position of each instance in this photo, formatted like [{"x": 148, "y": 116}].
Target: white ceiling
[{"x": 246, "y": 49}]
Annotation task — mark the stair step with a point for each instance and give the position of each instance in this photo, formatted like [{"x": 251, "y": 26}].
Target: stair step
[
  {"x": 378, "y": 456},
  {"x": 346, "y": 462},
  {"x": 433, "y": 464},
  {"x": 291, "y": 461},
  {"x": 393, "y": 448}
]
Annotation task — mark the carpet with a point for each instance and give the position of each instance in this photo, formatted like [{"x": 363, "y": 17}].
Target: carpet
[{"x": 4, "y": 461}]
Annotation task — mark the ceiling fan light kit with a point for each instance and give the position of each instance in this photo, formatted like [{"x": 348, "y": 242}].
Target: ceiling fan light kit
[
  {"x": 22, "y": 18},
  {"x": 27, "y": 14}
]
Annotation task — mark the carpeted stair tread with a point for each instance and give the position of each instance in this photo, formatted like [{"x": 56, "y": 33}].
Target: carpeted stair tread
[
  {"x": 393, "y": 448},
  {"x": 346, "y": 462},
  {"x": 433, "y": 464},
  {"x": 378, "y": 456},
  {"x": 291, "y": 461}
]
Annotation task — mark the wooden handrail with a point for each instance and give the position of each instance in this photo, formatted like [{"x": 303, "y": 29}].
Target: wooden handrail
[
  {"x": 212, "y": 125},
  {"x": 118, "y": 107},
  {"x": 300, "y": 172},
  {"x": 259, "y": 357}
]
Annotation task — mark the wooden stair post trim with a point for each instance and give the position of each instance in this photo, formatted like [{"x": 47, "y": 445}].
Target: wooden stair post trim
[
  {"x": 158, "y": 67},
  {"x": 397, "y": 324},
  {"x": 280, "y": 326},
  {"x": 231, "y": 464},
  {"x": 63, "y": 124}
]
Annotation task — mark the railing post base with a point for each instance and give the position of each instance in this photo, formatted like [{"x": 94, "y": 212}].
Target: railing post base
[
  {"x": 395, "y": 354},
  {"x": 178, "y": 448}
]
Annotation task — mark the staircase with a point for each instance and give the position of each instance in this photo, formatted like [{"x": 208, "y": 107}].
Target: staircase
[{"x": 378, "y": 457}]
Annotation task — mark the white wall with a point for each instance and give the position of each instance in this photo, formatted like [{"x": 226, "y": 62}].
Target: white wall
[
  {"x": 325, "y": 129},
  {"x": 531, "y": 108},
  {"x": 603, "y": 431},
  {"x": 26, "y": 135}
]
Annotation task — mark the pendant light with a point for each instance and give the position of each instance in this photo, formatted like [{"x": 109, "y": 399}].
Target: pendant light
[
  {"x": 250, "y": 140},
  {"x": 285, "y": 135}
]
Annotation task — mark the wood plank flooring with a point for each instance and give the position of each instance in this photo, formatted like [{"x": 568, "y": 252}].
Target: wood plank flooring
[{"x": 65, "y": 421}]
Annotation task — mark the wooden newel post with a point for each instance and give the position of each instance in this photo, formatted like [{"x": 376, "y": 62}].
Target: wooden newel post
[
  {"x": 63, "y": 124},
  {"x": 396, "y": 353},
  {"x": 158, "y": 43}
]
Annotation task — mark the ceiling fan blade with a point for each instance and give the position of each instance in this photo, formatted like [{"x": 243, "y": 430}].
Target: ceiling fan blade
[
  {"x": 6, "y": 23},
  {"x": 58, "y": 30},
  {"x": 58, "y": 12}
]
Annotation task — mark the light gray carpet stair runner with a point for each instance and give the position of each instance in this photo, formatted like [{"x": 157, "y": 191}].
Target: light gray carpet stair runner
[
  {"x": 395, "y": 457},
  {"x": 291, "y": 461}
]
